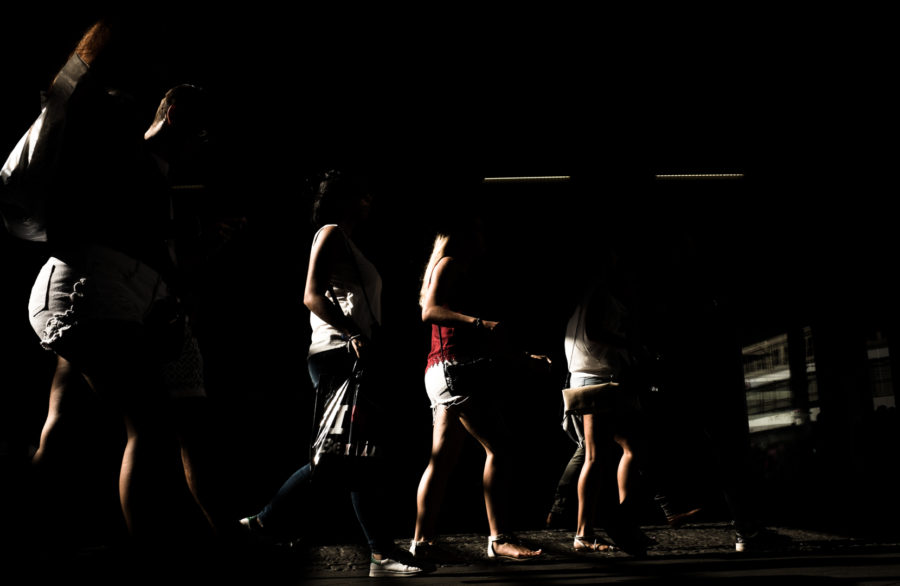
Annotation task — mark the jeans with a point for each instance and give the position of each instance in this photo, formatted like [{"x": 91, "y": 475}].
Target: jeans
[
  {"x": 565, "y": 500},
  {"x": 282, "y": 512}
]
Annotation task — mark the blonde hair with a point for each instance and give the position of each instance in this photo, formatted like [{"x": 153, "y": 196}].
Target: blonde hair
[{"x": 438, "y": 251}]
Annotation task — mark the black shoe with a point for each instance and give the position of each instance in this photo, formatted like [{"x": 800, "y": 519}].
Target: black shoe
[
  {"x": 629, "y": 538},
  {"x": 760, "y": 540},
  {"x": 626, "y": 534}
]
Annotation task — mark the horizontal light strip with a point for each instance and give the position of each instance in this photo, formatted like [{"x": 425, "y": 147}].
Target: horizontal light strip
[
  {"x": 700, "y": 176},
  {"x": 530, "y": 178}
]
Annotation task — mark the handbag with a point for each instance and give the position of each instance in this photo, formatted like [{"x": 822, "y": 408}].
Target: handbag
[
  {"x": 347, "y": 437},
  {"x": 601, "y": 398},
  {"x": 645, "y": 378},
  {"x": 471, "y": 377},
  {"x": 165, "y": 325}
]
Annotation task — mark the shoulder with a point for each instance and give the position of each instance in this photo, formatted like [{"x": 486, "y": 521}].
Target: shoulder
[
  {"x": 445, "y": 264},
  {"x": 327, "y": 235},
  {"x": 328, "y": 244},
  {"x": 447, "y": 270},
  {"x": 327, "y": 230}
]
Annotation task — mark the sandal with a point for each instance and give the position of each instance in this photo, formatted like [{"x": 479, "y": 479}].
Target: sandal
[
  {"x": 501, "y": 539},
  {"x": 589, "y": 543},
  {"x": 430, "y": 551}
]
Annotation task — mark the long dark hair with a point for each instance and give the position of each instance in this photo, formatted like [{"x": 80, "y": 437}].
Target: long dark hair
[{"x": 332, "y": 190}]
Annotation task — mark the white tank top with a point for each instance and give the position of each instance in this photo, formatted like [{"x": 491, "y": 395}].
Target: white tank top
[
  {"x": 353, "y": 297},
  {"x": 586, "y": 356}
]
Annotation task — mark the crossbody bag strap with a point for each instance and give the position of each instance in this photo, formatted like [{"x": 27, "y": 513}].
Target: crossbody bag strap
[
  {"x": 334, "y": 299},
  {"x": 339, "y": 308},
  {"x": 359, "y": 275}
]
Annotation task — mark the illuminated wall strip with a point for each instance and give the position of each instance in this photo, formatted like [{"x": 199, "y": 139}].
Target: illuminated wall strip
[
  {"x": 529, "y": 178},
  {"x": 700, "y": 176}
]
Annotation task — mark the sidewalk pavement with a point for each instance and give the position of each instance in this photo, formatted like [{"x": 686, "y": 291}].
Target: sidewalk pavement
[{"x": 700, "y": 553}]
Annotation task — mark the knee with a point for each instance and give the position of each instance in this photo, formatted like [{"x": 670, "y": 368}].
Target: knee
[
  {"x": 625, "y": 444},
  {"x": 498, "y": 453},
  {"x": 591, "y": 453},
  {"x": 438, "y": 465}
]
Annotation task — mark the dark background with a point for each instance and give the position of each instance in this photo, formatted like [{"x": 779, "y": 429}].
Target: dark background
[{"x": 427, "y": 104}]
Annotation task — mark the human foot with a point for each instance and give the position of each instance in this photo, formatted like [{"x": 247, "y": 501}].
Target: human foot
[
  {"x": 506, "y": 547},
  {"x": 589, "y": 543}
]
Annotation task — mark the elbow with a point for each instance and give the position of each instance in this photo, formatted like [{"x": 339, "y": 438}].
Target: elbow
[
  {"x": 427, "y": 315},
  {"x": 309, "y": 300}
]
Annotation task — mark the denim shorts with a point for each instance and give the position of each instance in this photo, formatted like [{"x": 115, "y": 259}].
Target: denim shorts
[
  {"x": 439, "y": 393},
  {"x": 624, "y": 409},
  {"x": 483, "y": 409},
  {"x": 105, "y": 285}
]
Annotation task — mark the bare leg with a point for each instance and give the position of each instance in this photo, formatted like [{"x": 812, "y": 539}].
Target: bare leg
[
  {"x": 492, "y": 479},
  {"x": 56, "y": 486},
  {"x": 146, "y": 476},
  {"x": 127, "y": 474},
  {"x": 589, "y": 481},
  {"x": 194, "y": 434},
  {"x": 447, "y": 440},
  {"x": 626, "y": 467},
  {"x": 63, "y": 378}
]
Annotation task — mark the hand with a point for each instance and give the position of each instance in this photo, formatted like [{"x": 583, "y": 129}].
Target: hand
[
  {"x": 359, "y": 346},
  {"x": 495, "y": 335},
  {"x": 490, "y": 325},
  {"x": 540, "y": 358},
  {"x": 538, "y": 361}
]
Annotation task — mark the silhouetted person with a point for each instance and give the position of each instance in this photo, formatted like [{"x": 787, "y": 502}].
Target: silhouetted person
[
  {"x": 703, "y": 409},
  {"x": 602, "y": 342},
  {"x": 605, "y": 346},
  {"x": 107, "y": 299},
  {"x": 343, "y": 295},
  {"x": 452, "y": 301}
]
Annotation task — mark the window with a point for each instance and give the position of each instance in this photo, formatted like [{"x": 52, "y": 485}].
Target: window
[
  {"x": 771, "y": 402},
  {"x": 880, "y": 383}
]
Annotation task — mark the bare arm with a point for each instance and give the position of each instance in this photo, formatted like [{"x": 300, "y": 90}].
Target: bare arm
[
  {"x": 435, "y": 309},
  {"x": 94, "y": 41}
]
